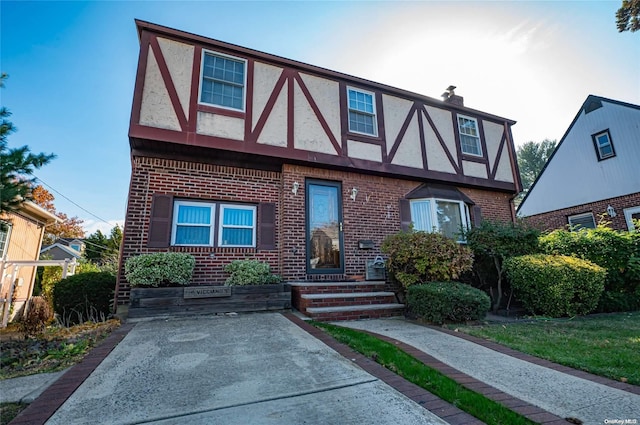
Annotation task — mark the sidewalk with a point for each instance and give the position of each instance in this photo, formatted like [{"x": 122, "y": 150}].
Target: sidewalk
[{"x": 562, "y": 394}]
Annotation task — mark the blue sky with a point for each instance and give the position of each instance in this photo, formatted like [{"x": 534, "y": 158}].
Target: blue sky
[{"x": 72, "y": 67}]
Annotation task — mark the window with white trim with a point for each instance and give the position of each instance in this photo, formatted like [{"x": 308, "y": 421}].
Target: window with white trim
[
  {"x": 237, "y": 226},
  {"x": 193, "y": 223},
  {"x": 223, "y": 81},
  {"x": 469, "y": 136},
  {"x": 5, "y": 231},
  {"x": 448, "y": 217},
  {"x": 604, "y": 145},
  {"x": 362, "y": 112},
  {"x": 631, "y": 214},
  {"x": 581, "y": 221}
]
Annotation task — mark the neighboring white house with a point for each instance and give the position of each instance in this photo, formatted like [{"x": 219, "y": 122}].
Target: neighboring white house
[{"x": 594, "y": 171}]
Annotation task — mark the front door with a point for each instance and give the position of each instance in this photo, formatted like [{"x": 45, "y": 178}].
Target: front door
[{"x": 324, "y": 227}]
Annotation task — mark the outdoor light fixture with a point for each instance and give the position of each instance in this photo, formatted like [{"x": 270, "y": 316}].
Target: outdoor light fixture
[
  {"x": 354, "y": 193},
  {"x": 611, "y": 211},
  {"x": 296, "y": 185}
]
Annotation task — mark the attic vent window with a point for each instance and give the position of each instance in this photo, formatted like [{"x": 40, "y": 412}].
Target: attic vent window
[
  {"x": 582, "y": 221},
  {"x": 604, "y": 145}
]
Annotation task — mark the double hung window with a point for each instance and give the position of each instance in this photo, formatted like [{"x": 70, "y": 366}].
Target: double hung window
[
  {"x": 469, "y": 136},
  {"x": 237, "y": 226},
  {"x": 5, "y": 230},
  {"x": 604, "y": 145},
  {"x": 362, "y": 115},
  {"x": 223, "y": 81}
]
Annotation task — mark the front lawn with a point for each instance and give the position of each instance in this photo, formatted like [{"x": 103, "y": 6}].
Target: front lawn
[{"x": 606, "y": 345}]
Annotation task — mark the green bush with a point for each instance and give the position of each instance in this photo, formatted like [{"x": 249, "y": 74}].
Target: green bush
[
  {"x": 492, "y": 242},
  {"x": 616, "y": 251},
  {"x": 416, "y": 257},
  {"x": 250, "y": 272},
  {"x": 160, "y": 269},
  {"x": 51, "y": 275},
  {"x": 454, "y": 302},
  {"x": 84, "y": 297},
  {"x": 556, "y": 285}
]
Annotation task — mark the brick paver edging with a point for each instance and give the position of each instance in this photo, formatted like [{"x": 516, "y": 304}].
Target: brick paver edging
[
  {"x": 424, "y": 398},
  {"x": 522, "y": 407},
  {"x": 52, "y": 398},
  {"x": 634, "y": 389}
]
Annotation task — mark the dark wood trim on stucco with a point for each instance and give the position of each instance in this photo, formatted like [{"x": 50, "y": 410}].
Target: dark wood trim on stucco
[
  {"x": 441, "y": 140},
  {"x": 247, "y": 53},
  {"x": 168, "y": 82},
  {"x": 496, "y": 162}
]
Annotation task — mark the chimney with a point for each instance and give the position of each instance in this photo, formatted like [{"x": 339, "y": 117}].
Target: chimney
[{"x": 450, "y": 97}]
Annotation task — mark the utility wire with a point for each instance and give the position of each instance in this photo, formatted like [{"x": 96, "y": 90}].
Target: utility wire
[{"x": 83, "y": 209}]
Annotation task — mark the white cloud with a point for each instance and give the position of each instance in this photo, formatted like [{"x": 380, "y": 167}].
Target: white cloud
[{"x": 92, "y": 226}]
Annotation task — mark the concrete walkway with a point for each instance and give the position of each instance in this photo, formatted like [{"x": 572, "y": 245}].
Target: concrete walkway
[
  {"x": 249, "y": 369},
  {"x": 559, "y": 393},
  {"x": 25, "y": 389}
]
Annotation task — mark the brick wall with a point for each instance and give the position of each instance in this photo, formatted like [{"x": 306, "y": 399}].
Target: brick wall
[
  {"x": 372, "y": 216},
  {"x": 195, "y": 181},
  {"x": 559, "y": 219}
]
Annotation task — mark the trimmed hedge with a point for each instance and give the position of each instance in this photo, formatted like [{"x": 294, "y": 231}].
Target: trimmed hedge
[
  {"x": 616, "y": 251},
  {"x": 454, "y": 302},
  {"x": 250, "y": 272},
  {"x": 83, "y": 297},
  {"x": 416, "y": 257},
  {"x": 160, "y": 269},
  {"x": 556, "y": 285}
]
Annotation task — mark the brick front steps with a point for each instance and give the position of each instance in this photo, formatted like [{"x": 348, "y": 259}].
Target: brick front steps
[{"x": 327, "y": 301}]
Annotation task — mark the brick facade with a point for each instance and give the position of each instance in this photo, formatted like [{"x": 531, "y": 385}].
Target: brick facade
[
  {"x": 194, "y": 181},
  {"x": 372, "y": 216},
  {"x": 559, "y": 219}
]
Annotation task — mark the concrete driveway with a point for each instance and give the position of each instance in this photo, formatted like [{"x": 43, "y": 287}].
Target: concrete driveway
[{"x": 248, "y": 369}]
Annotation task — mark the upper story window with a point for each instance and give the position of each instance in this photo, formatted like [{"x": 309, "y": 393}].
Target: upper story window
[
  {"x": 582, "y": 221},
  {"x": 5, "y": 229},
  {"x": 469, "y": 136},
  {"x": 448, "y": 217},
  {"x": 604, "y": 145},
  {"x": 362, "y": 115},
  {"x": 76, "y": 247},
  {"x": 223, "y": 81},
  {"x": 193, "y": 223},
  {"x": 237, "y": 226}
]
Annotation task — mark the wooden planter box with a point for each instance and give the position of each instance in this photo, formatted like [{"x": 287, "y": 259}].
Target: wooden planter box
[{"x": 149, "y": 302}]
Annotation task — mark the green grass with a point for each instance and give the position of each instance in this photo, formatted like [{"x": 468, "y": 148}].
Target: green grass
[
  {"x": 426, "y": 377},
  {"x": 605, "y": 345},
  {"x": 8, "y": 411}
]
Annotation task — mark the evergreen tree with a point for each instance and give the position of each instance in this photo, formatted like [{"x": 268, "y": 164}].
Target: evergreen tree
[{"x": 16, "y": 165}]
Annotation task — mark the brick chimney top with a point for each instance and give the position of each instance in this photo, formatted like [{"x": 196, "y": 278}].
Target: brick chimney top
[{"x": 449, "y": 96}]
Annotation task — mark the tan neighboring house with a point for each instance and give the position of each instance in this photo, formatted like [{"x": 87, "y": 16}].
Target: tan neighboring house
[{"x": 21, "y": 234}]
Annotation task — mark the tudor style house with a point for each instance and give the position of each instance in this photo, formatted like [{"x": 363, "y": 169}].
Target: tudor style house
[
  {"x": 239, "y": 154},
  {"x": 594, "y": 171}
]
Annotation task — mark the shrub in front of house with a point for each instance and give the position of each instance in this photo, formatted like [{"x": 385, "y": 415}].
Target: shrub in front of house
[
  {"x": 84, "y": 297},
  {"x": 39, "y": 315},
  {"x": 617, "y": 251},
  {"x": 492, "y": 242},
  {"x": 160, "y": 269},
  {"x": 556, "y": 285},
  {"x": 416, "y": 257},
  {"x": 440, "y": 302},
  {"x": 250, "y": 272}
]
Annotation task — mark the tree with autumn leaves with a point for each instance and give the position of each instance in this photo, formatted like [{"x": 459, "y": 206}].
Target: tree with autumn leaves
[{"x": 69, "y": 227}]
